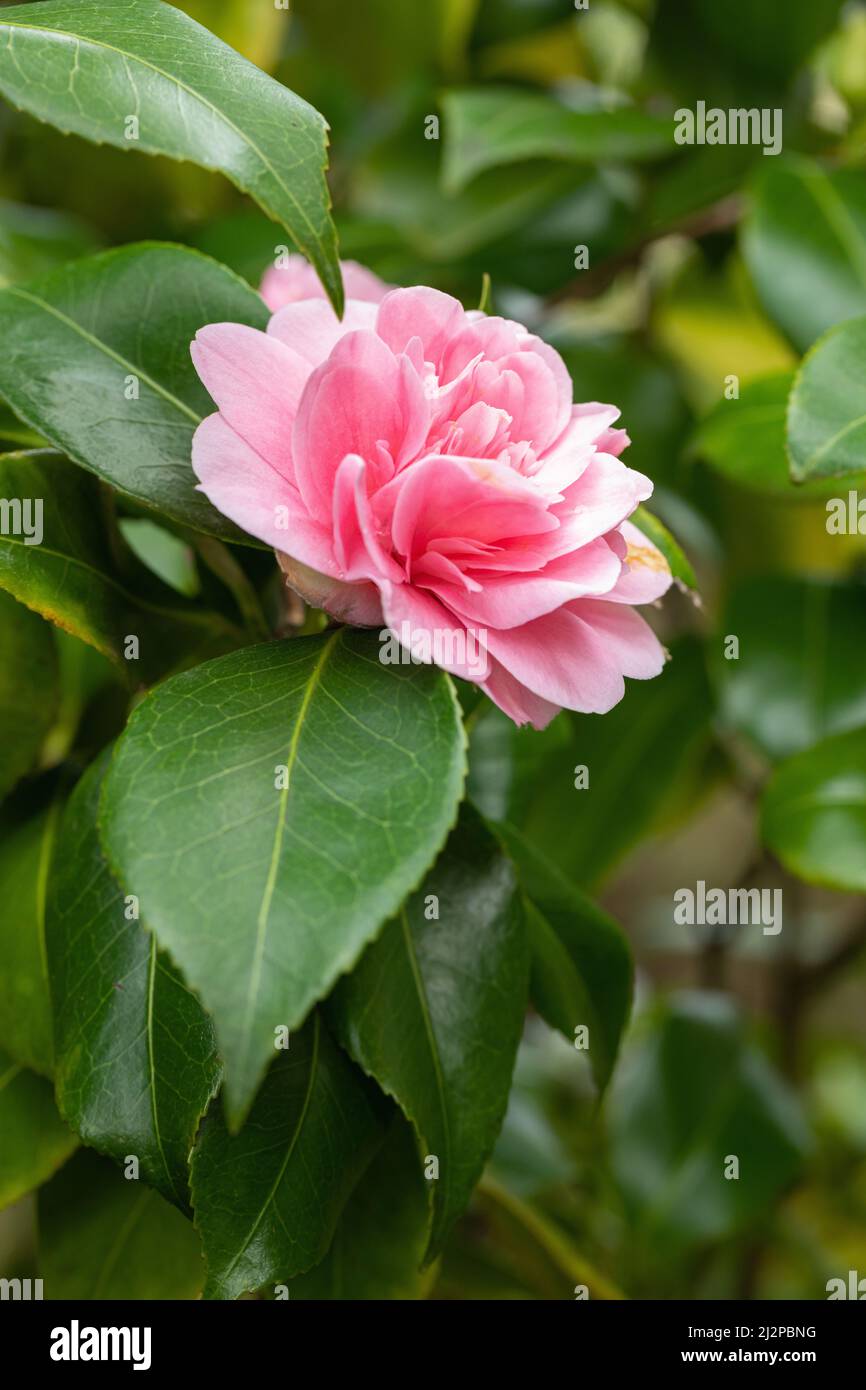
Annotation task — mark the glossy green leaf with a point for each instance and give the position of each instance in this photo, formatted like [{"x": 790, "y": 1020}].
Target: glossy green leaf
[
  {"x": 135, "y": 1054},
  {"x": 801, "y": 669},
  {"x": 805, "y": 245},
  {"x": 28, "y": 689},
  {"x": 294, "y": 793},
  {"x": 267, "y": 1200},
  {"x": 25, "y": 1008},
  {"x": 380, "y": 1239},
  {"x": 581, "y": 971},
  {"x": 88, "y": 68},
  {"x": 814, "y": 812},
  {"x": 827, "y": 407},
  {"x": 434, "y": 1011},
  {"x": 94, "y": 589},
  {"x": 744, "y": 439},
  {"x": 690, "y": 1093},
  {"x": 35, "y": 1141},
  {"x": 486, "y": 127},
  {"x": 105, "y": 1236},
  {"x": 81, "y": 343},
  {"x": 33, "y": 240}
]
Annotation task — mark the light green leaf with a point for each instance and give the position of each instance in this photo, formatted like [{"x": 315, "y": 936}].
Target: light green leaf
[
  {"x": 33, "y": 240},
  {"x": 105, "y": 1236},
  {"x": 135, "y": 1055},
  {"x": 28, "y": 689},
  {"x": 801, "y": 669},
  {"x": 294, "y": 793},
  {"x": 35, "y": 1139},
  {"x": 814, "y": 813},
  {"x": 101, "y": 594},
  {"x": 91, "y": 68},
  {"x": 489, "y": 126},
  {"x": 267, "y": 1200},
  {"x": 434, "y": 1011},
  {"x": 658, "y": 533},
  {"x": 96, "y": 357},
  {"x": 805, "y": 245},
  {"x": 827, "y": 407}
]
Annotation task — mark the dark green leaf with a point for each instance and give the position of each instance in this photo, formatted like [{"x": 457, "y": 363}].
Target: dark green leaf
[
  {"x": 293, "y": 793},
  {"x": 827, "y": 407},
  {"x": 35, "y": 1139},
  {"x": 814, "y": 812},
  {"x": 689, "y": 1095},
  {"x": 79, "y": 341},
  {"x": 801, "y": 669},
  {"x": 581, "y": 973},
  {"x": 135, "y": 1058},
  {"x": 25, "y": 1009},
  {"x": 380, "y": 1240},
  {"x": 28, "y": 689},
  {"x": 267, "y": 1200},
  {"x": 805, "y": 245},
  {"x": 434, "y": 1011},
  {"x": 88, "y": 68},
  {"x": 105, "y": 1236},
  {"x": 486, "y": 127},
  {"x": 74, "y": 578}
]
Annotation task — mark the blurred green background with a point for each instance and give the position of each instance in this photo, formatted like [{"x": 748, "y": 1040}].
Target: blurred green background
[{"x": 704, "y": 264}]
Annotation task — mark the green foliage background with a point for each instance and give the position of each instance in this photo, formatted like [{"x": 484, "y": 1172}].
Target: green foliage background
[{"x": 706, "y": 263}]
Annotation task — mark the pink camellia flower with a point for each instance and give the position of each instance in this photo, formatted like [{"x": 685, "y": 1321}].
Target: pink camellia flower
[
  {"x": 296, "y": 279},
  {"x": 423, "y": 469}
]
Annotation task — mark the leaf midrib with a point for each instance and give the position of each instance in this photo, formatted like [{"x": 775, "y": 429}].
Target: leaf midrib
[{"x": 270, "y": 882}]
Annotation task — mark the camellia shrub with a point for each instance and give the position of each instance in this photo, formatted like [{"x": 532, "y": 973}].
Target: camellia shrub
[{"x": 323, "y": 587}]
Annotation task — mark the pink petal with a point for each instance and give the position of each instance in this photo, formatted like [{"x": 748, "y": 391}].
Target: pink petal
[
  {"x": 252, "y": 494},
  {"x": 646, "y": 574},
  {"x": 312, "y": 329},
  {"x": 256, "y": 382},
  {"x": 421, "y": 313},
  {"x": 510, "y": 600},
  {"x": 284, "y": 284}
]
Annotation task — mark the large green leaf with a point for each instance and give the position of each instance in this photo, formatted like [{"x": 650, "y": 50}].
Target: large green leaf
[
  {"x": 814, "y": 812},
  {"x": 105, "y": 1236},
  {"x": 135, "y": 1056},
  {"x": 35, "y": 1141},
  {"x": 28, "y": 689},
  {"x": 805, "y": 245},
  {"x": 434, "y": 1011},
  {"x": 801, "y": 669},
  {"x": 87, "y": 68},
  {"x": 267, "y": 1200},
  {"x": 380, "y": 1239},
  {"x": 689, "y": 1095},
  {"x": 25, "y": 1008},
  {"x": 80, "y": 340},
  {"x": 95, "y": 589},
  {"x": 582, "y": 973},
  {"x": 486, "y": 127},
  {"x": 293, "y": 794},
  {"x": 827, "y": 407}
]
